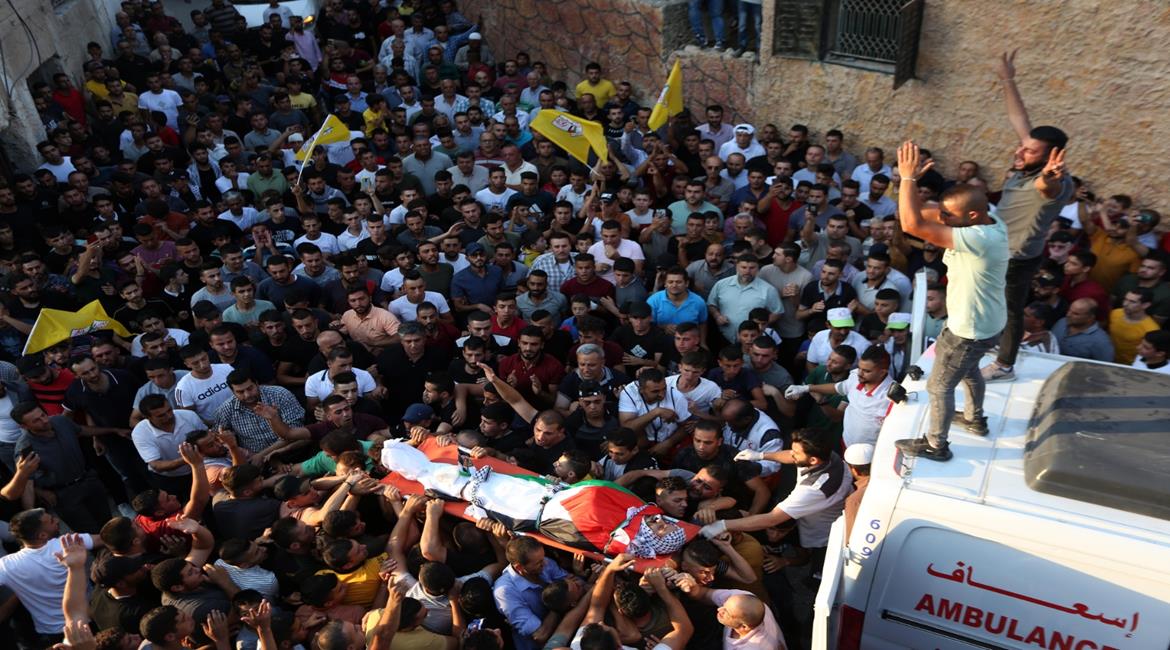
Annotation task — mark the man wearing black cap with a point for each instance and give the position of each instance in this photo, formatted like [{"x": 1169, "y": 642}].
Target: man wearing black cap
[
  {"x": 343, "y": 109},
  {"x": 1033, "y": 196},
  {"x": 118, "y": 603}
]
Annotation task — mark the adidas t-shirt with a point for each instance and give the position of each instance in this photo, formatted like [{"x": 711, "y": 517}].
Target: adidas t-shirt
[{"x": 204, "y": 395}]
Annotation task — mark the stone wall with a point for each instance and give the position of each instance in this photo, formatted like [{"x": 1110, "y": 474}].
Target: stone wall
[
  {"x": 1086, "y": 67},
  {"x": 60, "y": 34},
  {"x": 1098, "y": 70}
]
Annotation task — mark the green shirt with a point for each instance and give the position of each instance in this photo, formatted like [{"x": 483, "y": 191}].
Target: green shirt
[
  {"x": 817, "y": 418},
  {"x": 321, "y": 464},
  {"x": 259, "y": 185}
]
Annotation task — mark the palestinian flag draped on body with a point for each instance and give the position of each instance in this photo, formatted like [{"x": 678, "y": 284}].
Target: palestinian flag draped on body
[
  {"x": 576, "y": 136},
  {"x": 54, "y": 325}
]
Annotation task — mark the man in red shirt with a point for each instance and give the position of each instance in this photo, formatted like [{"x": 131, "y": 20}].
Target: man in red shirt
[
  {"x": 533, "y": 373},
  {"x": 1077, "y": 283},
  {"x": 585, "y": 280},
  {"x": 775, "y": 209},
  {"x": 69, "y": 98},
  {"x": 47, "y": 383},
  {"x": 504, "y": 321}
]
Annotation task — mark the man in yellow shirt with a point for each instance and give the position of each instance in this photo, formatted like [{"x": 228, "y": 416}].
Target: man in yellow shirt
[
  {"x": 1107, "y": 240},
  {"x": 1129, "y": 324},
  {"x": 378, "y": 115},
  {"x": 95, "y": 80},
  {"x": 602, "y": 89}
]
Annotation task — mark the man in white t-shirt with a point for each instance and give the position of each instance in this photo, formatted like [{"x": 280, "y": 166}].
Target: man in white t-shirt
[
  {"x": 414, "y": 293},
  {"x": 699, "y": 391},
  {"x": 611, "y": 247},
  {"x": 158, "y": 437},
  {"x": 744, "y": 143},
  {"x": 866, "y": 390},
  {"x": 319, "y": 385},
  {"x": 494, "y": 197},
  {"x": 206, "y": 387},
  {"x": 1153, "y": 353},
  {"x": 60, "y": 166},
  {"x": 33, "y": 573},
  {"x": 839, "y": 332},
  {"x": 157, "y": 98},
  {"x": 656, "y": 411}
]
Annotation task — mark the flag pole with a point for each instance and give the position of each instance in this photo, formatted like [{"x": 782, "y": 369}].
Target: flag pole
[{"x": 309, "y": 152}]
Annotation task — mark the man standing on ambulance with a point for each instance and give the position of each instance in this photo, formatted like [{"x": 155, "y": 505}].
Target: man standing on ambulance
[{"x": 976, "y": 256}]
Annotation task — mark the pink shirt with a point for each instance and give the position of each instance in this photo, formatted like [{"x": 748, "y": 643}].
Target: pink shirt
[
  {"x": 368, "y": 330},
  {"x": 765, "y": 636}
]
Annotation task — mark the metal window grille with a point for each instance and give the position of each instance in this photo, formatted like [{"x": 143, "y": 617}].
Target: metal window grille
[{"x": 867, "y": 30}]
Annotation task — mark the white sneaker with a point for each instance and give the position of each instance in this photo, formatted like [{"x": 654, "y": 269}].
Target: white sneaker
[{"x": 993, "y": 373}]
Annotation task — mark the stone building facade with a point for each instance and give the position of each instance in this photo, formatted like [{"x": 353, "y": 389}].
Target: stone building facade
[
  {"x": 1098, "y": 70},
  {"x": 40, "y": 38}
]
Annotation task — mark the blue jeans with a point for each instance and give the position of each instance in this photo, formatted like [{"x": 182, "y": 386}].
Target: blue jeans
[
  {"x": 714, "y": 10},
  {"x": 956, "y": 360},
  {"x": 756, "y": 13}
]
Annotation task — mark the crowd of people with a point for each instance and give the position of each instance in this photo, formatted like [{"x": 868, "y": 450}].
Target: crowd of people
[{"x": 712, "y": 318}]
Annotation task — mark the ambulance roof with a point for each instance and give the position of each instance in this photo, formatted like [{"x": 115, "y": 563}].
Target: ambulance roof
[{"x": 1070, "y": 440}]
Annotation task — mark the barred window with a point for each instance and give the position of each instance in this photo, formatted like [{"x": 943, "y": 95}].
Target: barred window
[{"x": 878, "y": 35}]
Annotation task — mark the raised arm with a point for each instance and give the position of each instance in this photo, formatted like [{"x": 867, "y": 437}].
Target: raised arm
[
  {"x": 681, "y": 627},
  {"x": 74, "y": 555},
  {"x": 910, "y": 205},
  {"x": 602, "y": 594},
  {"x": 1005, "y": 69},
  {"x": 509, "y": 394},
  {"x": 200, "y": 487},
  {"x": 431, "y": 543}
]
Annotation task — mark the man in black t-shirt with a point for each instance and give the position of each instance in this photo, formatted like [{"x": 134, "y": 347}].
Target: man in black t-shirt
[{"x": 644, "y": 344}]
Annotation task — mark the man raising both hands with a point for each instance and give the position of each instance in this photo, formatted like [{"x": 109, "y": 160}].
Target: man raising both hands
[
  {"x": 1033, "y": 195},
  {"x": 977, "y": 260}
]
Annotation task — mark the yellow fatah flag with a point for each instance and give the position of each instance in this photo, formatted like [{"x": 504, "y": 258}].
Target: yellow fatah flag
[
  {"x": 571, "y": 133},
  {"x": 331, "y": 132},
  {"x": 670, "y": 101},
  {"x": 55, "y": 325}
]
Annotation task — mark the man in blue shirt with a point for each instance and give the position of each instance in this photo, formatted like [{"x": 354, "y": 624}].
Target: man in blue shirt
[
  {"x": 475, "y": 287},
  {"x": 517, "y": 592},
  {"x": 676, "y": 304}
]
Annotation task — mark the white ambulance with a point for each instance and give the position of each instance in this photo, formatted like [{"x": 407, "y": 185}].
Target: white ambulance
[{"x": 1051, "y": 532}]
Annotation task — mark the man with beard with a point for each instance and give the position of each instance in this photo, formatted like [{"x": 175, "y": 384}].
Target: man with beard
[
  {"x": 1033, "y": 196},
  {"x": 339, "y": 414},
  {"x": 336, "y": 292},
  {"x": 266, "y": 419},
  {"x": 373, "y": 327},
  {"x": 435, "y": 273},
  {"x": 530, "y": 371},
  {"x": 475, "y": 287},
  {"x": 539, "y": 297}
]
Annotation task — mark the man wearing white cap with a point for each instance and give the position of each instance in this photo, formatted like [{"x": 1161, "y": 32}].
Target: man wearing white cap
[
  {"x": 865, "y": 389},
  {"x": 897, "y": 342},
  {"x": 744, "y": 143},
  {"x": 839, "y": 332},
  {"x": 858, "y": 458},
  {"x": 977, "y": 253}
]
